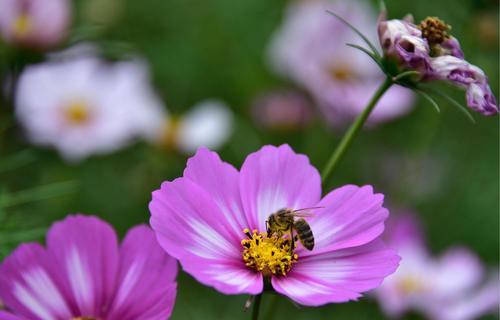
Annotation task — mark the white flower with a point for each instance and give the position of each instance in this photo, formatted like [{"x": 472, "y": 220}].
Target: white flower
[
  {"x": 85, "y": 106},
  {"x": 209, "y": 123}
]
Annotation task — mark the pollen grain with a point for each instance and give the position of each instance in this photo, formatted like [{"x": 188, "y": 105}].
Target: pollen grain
[{"x": 270, "y": 255}]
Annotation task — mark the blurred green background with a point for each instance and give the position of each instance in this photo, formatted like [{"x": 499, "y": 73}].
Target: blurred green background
[{"x": 439, "y": 165}]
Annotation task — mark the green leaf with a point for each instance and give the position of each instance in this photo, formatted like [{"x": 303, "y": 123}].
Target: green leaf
[
  {"x": 17, "y": 160},
  {"x": 38, "y": 193},
  {"x": 369, "y": 53},
  {"x": 405, "y": 74},
  {"x": 353, "y": 28},
  {"x": 454, "y": 102},
  {"x": 429, "y": 98}
]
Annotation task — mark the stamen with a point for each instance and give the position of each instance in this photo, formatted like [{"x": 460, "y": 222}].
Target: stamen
[
  {"x": 22, "y": 26},
  {"x": 410, "y": 285},
  {"x": 170, "y": 135},
  {"x": 271, "y": 255},
  {"x": 77, "y": 113},
  {"x": 340, "y": 73},
  {"x": 434, "y": 30}
]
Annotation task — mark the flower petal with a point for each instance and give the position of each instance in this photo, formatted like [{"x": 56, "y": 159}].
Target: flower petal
[
  {"x": 86, "y": 251},
  {"x": 458, "y": 271},
  {"x": 404, "y": 230},
  {"x": 209, "y": 123},
  {"x": 350, "y": 216},
  {"x": 8, "y": 316},
  {"x": 221, "y": 179},
  {"x": 29, "y": 288},
  {"x": 481, "y": 301},
  {"x": 191, "y": 228},
  {"x": 274, "y": 178},
  {"x": 147, "y": 274},
  {"x": 337, "y": 276}
]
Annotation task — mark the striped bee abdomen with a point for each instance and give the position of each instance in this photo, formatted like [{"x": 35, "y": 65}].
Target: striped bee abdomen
[{"x": 305, "y": 234}]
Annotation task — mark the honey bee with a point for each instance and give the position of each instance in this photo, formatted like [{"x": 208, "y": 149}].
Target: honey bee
[{"x": 283, "y": 221}]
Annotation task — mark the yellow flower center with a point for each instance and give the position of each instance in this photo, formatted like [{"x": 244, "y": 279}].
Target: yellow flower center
[
  {"x": 340, "y": 73},
  {"x": 22, "y": 26},
  {"x": 271, "y": 255},
  {"x": 434, "y": 30},
  {"x": 77, "y": 113},
  {"x": 170, "y": 135},
  {"x": 410, "y": 285}
]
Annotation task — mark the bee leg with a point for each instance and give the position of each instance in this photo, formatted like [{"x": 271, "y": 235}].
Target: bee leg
[
  {"x": 268, "y": 229},
  {"x": 292, "y": 245}
]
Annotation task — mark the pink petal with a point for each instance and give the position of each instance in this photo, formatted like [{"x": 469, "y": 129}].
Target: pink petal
[
  {"x": 191, "y": 228},
  {"x": 337, "y": 276},
  {"x": 481, "y": 301},
  {"x": 85, "y": 250},
  {"x": 221, "y": 180},
  {"x": 7, "y": 316},
  {"x": 458, "y": 271},
  {"x": 28, "y": 286},
  {"x": 404, "y": 230},
  {"x": 351, "y": 216},
  {"x": 274, "y": 178},
  {"x": 147, "y": 274}
]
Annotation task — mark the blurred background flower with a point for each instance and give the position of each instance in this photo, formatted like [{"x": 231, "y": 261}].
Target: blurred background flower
[
  {"x": 33, "y": 23},
  {"x": 209, "y": 123},
  {"x": 440, "y": 288},
  {"x": 85, "y": 106},
  {"x": 282, "y": 110},
  {"x": 310, "y": 48}
]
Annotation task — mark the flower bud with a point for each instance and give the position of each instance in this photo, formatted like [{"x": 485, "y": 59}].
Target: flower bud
[{"x": 402, "y": 41}]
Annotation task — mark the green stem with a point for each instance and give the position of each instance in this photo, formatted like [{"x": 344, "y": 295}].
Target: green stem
[
  {"x": 272, "y": 306},
  {"x": 353, "y": 130},
  {"x": 256, "y": 306}
]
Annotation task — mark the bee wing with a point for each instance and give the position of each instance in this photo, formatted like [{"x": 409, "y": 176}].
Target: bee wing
[{"x": 301, "y": 214}]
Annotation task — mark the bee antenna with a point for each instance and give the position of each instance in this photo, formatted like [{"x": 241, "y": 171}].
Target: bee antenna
[{"x": 302, "y": 209}]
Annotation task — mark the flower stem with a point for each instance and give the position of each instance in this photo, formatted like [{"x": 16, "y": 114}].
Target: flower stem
[
  {"x": 353, "y": 130},
  {"x": 256, "y": 306}
]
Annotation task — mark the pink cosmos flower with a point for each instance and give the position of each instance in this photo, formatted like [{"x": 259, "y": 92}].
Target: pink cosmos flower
[
  {"x": 444, "y": 288},
  {"x": 34, "y": 23},
  {"x": 84, "y": 274},
  {"x": 213, "y": 220},
  {"x": 429, "y": 49},
  {"x": 310, "y": 49}
]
